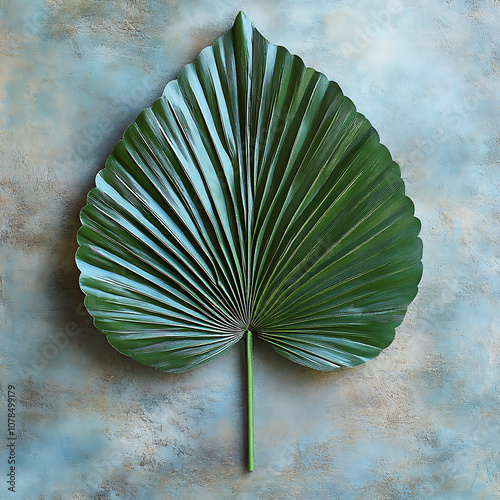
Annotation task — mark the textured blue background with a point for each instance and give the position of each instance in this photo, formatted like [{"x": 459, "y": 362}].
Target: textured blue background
[{"x": 420, "y": 421}]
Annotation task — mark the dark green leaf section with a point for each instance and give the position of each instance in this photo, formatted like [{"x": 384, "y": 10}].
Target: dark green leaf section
[{"x": 250, "y": 196}]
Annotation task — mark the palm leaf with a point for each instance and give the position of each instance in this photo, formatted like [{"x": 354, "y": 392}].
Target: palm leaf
[{"x": 251, "y": 198}]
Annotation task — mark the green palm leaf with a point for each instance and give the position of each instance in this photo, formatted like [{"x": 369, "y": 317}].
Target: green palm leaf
[{"x": 251, "y": 198}]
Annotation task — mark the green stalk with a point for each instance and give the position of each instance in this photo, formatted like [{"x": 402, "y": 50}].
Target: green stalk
[{"x": 251, "y": 438}]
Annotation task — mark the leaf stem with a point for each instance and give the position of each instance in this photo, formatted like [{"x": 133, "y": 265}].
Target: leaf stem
[{"x": 251, "y": 434}]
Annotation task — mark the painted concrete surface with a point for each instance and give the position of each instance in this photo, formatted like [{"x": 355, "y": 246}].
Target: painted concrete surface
[{"x": 420, "y": 421}]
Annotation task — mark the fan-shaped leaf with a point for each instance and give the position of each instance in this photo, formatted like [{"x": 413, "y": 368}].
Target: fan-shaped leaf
[{"x": 251, "y": 197}]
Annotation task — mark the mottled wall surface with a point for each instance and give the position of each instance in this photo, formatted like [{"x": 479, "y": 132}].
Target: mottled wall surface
[{"x": 420, "y": 421}]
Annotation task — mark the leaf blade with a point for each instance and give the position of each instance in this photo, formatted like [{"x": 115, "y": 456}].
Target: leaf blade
[{"x": 251, "y": 196}]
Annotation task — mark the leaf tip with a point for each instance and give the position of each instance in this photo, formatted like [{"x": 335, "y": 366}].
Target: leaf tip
[{"x": 242, "y": 21}]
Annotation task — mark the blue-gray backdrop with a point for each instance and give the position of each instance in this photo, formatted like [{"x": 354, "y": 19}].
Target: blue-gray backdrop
[{"x": 419, "y": 421}]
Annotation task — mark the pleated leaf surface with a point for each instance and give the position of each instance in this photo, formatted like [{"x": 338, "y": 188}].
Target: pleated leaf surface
[{"x": 251, "y": 196}]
